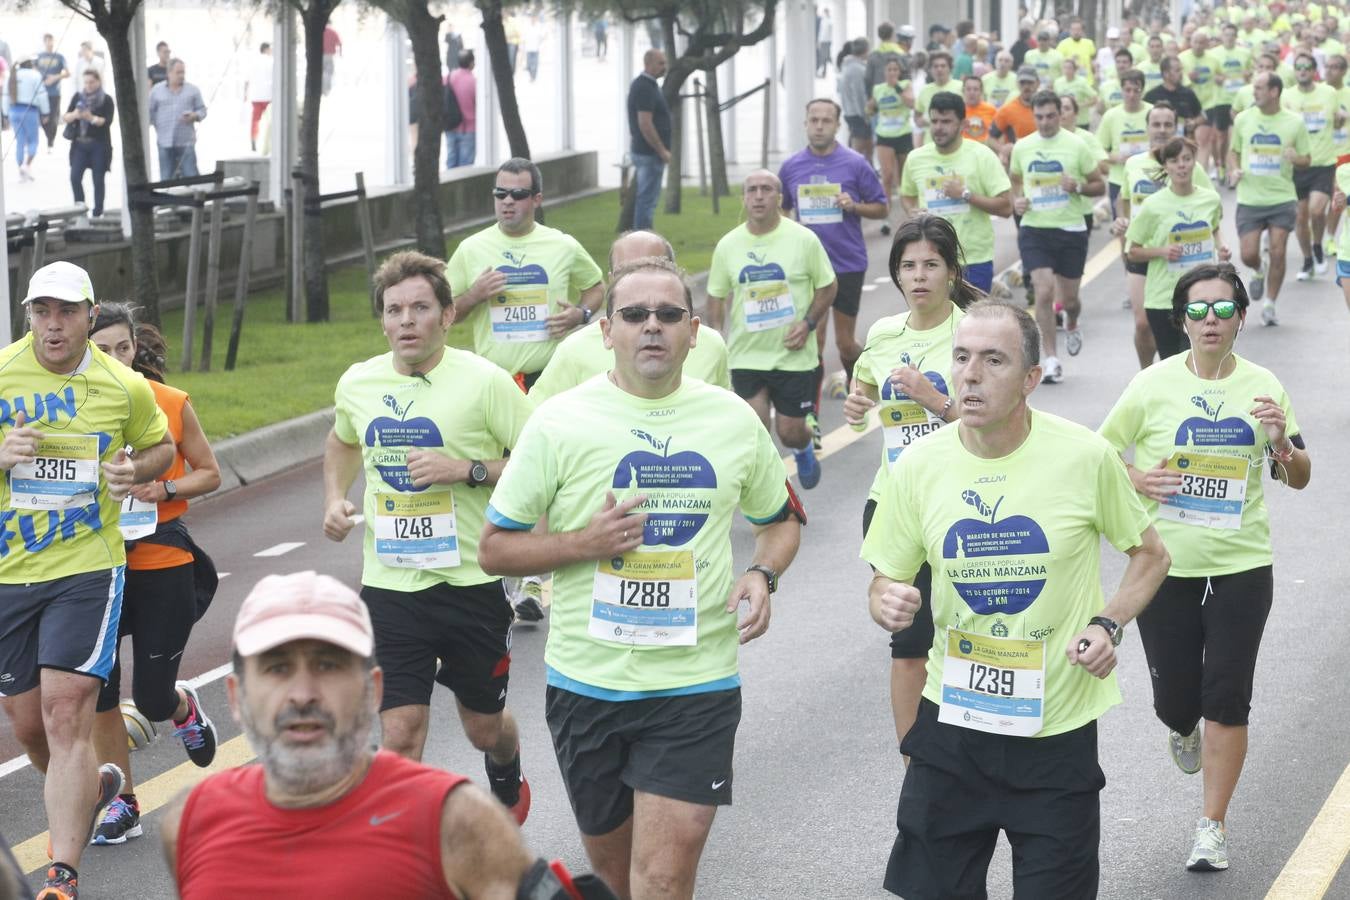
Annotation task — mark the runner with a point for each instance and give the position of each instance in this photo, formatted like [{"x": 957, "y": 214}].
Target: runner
[
  {"x": 1268, "y": 144},
  {"x": 1075, "y": 85},
  {"x": 1123, "y": 131},
  {"x": 778, "y": 279},
  {"x": 1174, "y": 230},
  {"x": 979, "y": 114},
  {"x": 1015, "y": 119},
  {"x": 644, "y": 698},
  {"x": 1111, "y": 93},
  {"x": 939, "y": 81},
  {"x": 1340, "y": 137},
  {"x": 1235, "y": 68},
  {"x": 906, "y": 366},
  {"x": 962, "y": 181},
  {"x": 1266, "y": 62},
  {"x": 169, "y": 580},
  {"x": 970, "y": 500},
  {"x": 1202, "y": 631},
  {"x": 1151, "y": 65},
  {"x": 305, "y": 688},
  {"x": 892, "y": 102},
  {"x": 1052, "y": 172},
  {"x": 514, "y": 281},
  {"x": 583, "y": 354},
  {"x": 1319, "y": 105},
  {"x": 1044, "y": 58},
  {"x": 429, "y": 459},
  {"x": 1338, "y": 203},
  {"x": 1190, "y": 112},
  {"x": 830, "y": 189},
  {"x": 1000, "y": 85},
  {"x": 1203, "y": 70},
  {"x": 79, "y": 431}
]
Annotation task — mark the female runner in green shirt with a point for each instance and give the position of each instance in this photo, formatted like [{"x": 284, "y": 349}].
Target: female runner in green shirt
[{"x": 892, "y": 102}]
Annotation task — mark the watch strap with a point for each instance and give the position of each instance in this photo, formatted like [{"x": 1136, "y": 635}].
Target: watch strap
[
  {"x": 769, "y": 575},
  {"x": 1110, "y": 626}
]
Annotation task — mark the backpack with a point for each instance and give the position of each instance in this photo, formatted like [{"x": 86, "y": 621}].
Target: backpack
[{"x": 454, "y": 116}]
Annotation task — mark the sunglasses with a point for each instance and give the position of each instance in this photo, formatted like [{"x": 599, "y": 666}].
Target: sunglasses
[
  {"x": 514, "y": 193},
  {"x": 666, "y": 315},
  {"x": 1198, "y": 310},
  {"x": 1303, "y": 67}
]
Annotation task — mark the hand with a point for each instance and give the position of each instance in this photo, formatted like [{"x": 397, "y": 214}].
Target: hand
[
  {"x": 337, "y": 519},
  {"x": 19, "y": 445},
  {"x": 1097, "y": 655},
  {"x": 1159, "y": 483},
  {"x": 1271, "y": 417},
  {"x": 917, "y": 387},
  {"x": 150, "y": 492},
  {"x": 1119, "y": 226},
  {"x": 188, "y": 117},
  {"x": 1234, "y": 175},
  {"x": 120, "y": 474},
  {"x": 1338, "y": 201},
  {"x": 615, "y": 529},
  {"x": 795, "y": 339},
  {"x": 1069, "y": 183},
  {"x": 1289, "y": 154},
  {"x": 1225, "y": 254},
  {"x": 1173, "y": 252},
  {"x": 953, "y": 187},
  {"x": 844, "y": 201},
  {"x": 564, "y": 320},
  {"x": 856, "y": 405},
  {"x": 899, "y": 604},
  {"x": 752, "y": 587},
  {"x": 488, "y": 284},
  {"x": 427, "y": 467},
  {"x": 664, "y": 154},
  {"x": 1021, "y": 205}
]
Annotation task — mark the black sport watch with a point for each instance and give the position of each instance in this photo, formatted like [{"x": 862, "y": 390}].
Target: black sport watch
[
  {"x": 478, "y": 473},
  {"x": 769, "y": 574},
  {"x": 1111, "y": 627}
]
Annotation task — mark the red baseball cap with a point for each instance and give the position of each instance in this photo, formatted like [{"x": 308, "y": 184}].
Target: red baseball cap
[{"x": 299, "y": 606}]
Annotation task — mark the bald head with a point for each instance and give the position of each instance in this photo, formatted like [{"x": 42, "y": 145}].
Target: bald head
[
  {"x": 635, "y": 245},
  {"x": 654, "y": 63}
]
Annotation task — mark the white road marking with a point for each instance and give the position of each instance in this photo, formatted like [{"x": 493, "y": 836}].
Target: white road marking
[
  {"x": 869, "y": 287},
  {"x": 222, "y": 574},
  {"x": 281, "y": 549}
]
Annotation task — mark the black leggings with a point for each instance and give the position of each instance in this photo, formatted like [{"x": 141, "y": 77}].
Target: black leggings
[
  {"x": 1170, "y": 339},
  {"x": 1201, "y": 637},
  {"x": 158, "y": 611}
]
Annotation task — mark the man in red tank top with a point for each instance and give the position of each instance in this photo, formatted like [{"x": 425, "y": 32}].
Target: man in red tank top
[{"x": 305, "y": 689}]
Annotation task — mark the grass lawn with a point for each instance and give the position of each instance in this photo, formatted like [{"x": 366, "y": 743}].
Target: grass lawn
[{"x": 288, "y": 370}]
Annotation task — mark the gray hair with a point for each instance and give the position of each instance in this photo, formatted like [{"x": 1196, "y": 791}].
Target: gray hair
[{"x": 1031, "y": 333}]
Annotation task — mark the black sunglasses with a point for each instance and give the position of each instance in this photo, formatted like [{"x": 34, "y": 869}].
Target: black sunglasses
[
  {"x": 666, "y": 315},
  {"x": 502, "y": 193},
  {"x": 1198, "y": 310}
]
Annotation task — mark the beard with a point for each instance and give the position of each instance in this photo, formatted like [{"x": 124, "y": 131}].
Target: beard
[{"x": 310, "y": 769}]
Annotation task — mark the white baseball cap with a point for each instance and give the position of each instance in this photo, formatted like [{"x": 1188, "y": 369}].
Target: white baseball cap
[
  {"x": 1112, "y": 33},
  {"x": 60, "y": 280}
]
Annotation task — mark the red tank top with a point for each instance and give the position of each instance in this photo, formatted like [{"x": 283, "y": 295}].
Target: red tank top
[{"x": 380, "y": 840}]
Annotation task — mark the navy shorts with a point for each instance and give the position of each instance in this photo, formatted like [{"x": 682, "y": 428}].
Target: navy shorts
[
  {"x": 1062, "y": 252},
  {"x": 67, "y": 623},
  {"x": 981, "y": 275}
]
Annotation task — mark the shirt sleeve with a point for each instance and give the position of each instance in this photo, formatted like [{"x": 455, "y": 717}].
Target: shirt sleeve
[
  {"x": 146, "y": 423},
  {"x": 764, "y": 491},
  {"x": 721, "y": 373},
  {"x": 508, "y": 408},
  {"x": 1140, "y": 232},
  {"x": 993, "y": 179},
  {"x": 1124, "y": 422},
  {"x": 343, "y": 425},
  {"x": 822, "y": 273},
  {"x": 1121, "y": 517},
  {"x": 789, "y": 187},
  {"x": 1301, "y": 143},
  {"x": 454, "y": 271},
  {"x": 869, "y": 184},
  {"x": 644, "y": 99},
  {"x": 198, "y": 105},
  {"x": 585, "y": 274},
  {"x": 893, "y": 545},
  {"x": 526, "y": 489},
  {"x": 719, "y": 282},
  {"x": 908, "y": 186}
]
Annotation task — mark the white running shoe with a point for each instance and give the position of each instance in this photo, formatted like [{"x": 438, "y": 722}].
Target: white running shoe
[
  {"x": 1268, "y": 314},
  {"x": 1185, "y": 749},
  {"x": 1052, "y": 371},
  {"x": 1073, "y": 341},
  {"x": 1210, "y": 851}
]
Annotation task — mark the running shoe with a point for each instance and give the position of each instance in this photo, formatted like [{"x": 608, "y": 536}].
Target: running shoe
[
  {"x": 1319, "y": 260},
  {"x": 836, "y": 386},
  {"x": 1268, "y": 315},
  {"x": 1073, "y": 340},
  {"x": 1125, "y": 302},
  {"x": 197, "y": 732},
  {"x": 1256, "y": 285},
  {"x": 110, "y": 781},
  {"x": 60, "y": 885},
  {"x": 1306, "y": 273},
  {"x": 1328, "y": 246},
  {"x": 885, "y": 229},
  {"x": 1185, "y": 750},
  {"x": 510, "y": 787},
  {"x": 530, "y": 606},
  {"x": 808, "y": 467},
  {"x": 121, "y": 820},
  {"x": 1059, "y": 316},
  {"x": 1214, "y": 174},
  {"x": 1052, "y": 372},
  {"x": 1210, "y": 851},
  {"x": 814, "y": 424}
]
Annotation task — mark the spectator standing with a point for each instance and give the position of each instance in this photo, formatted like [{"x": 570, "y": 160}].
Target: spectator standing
[
  {"x": 51, "y": 65},
  {"x": 25, "y": 105},
  {"x": 461, "y": 142},
  {"x": 258, "y": 89},
  {"x": 534, "y": 39},
  {"x": 175, "y": 109},
  {"x": 332, "y": 47},
  {"x": 88, "y": 59},
  {"x": 91, "y": 112},
  {"x": 649, "y": 124},
  {"x": 160, "y": 70},
  {"x": 454, "y": 45},
  {"x": 854, "y": 93},
  {"x": 600, "y": 28},
  {"x": 824, "y": 40}
]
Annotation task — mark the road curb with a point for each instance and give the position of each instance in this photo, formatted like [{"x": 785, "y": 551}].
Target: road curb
[{"x": 271, "y": 450}]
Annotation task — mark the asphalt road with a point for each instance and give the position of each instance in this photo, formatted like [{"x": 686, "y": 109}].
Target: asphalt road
[{"x": 818, "y": 773}]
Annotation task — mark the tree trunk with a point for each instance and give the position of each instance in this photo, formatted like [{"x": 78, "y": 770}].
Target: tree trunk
[
  {"x": 677, "y": 72},
  {"x": 424, "y": 30},
  {"x": 717, "y": 153},
  {"x": 494, "y": 35},
  {"x": 314, "y": 16}
]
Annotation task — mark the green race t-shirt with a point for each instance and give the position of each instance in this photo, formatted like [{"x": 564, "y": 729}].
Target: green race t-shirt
[
  {"x": 1317, "y": 108},
  {"x": 891, "y": 343},
  {"x": 1202, "y": 73},
  {"x": 582, "y": 355},
  {"x": 1260, "y": 141},
  {"x": 768, "y": 281},
  {"x": 1152, "y": 74},
  {"x": 1167, "y": 410},
  {"x": 1244, "y": 99},
  {"x": 925, "y": 171},
  {"x": 1041, "y": 163},
  {"x": 1122, "y": 130},
  {"x": 998, "y": 88},
  {"x": 1143, "y": 177},
  {"x": 894, "y": 118},
  {"x": 1098, "y": 151},
  {"x": 1234, "y": 68},
  {"x": 466, "y": 408},
  {"x": 1340, "y": 135},
  {"x": 1047, "y": 63},
  {"x": 697, "y": 454},
  {"x": 1166, "y": 218},
  {"x": 1081, "y": 90},
  {"x": 87, "y": 416},
  {"x": 1343, "y": 239},
  {"x": 1015, "y": 547},
  {"x": 1111, "y": 93},
  {"x": 952, "y": 86},
  {"x": 544, "y": 268}
]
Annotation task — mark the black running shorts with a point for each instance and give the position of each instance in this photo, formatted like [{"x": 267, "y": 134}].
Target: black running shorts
[
  {"x": 793, "y": 394},
  {"x": 848, "y": 295}
]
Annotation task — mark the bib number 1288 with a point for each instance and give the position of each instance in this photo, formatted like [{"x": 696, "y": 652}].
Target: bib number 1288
[{"x": 648, "y": 594}]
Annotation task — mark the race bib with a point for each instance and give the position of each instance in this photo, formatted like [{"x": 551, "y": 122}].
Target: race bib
[
  {"x": 891, "y": 121},
  {"x": 137, "y": 519},
  {"x": 416, "y": 531},
  {"x": 937, "y": 201},
  {"x": 519, "y": 315},
  {"x": 1046, "y": 192},
  {"x": 993, "y": 684},
  {"x": 768, "y": 305},
  {"x": 816, "y": 204},
  {"x": 64, "y": 474},
  {"x": 1213, "y": 490},
  {"x": 1233, "y": 85},
  {"x": 646, "y": 597},
  {"x": 1134, "y": 146},
  {"x": 1263, "y": 161},
  {"x": 902, "y": 423},
  {"x": 1314, "y": 120},
  {"x": 1197, "y": 246}
]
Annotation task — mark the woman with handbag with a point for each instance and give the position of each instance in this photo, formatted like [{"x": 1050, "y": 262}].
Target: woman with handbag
[{"x": 89, "y": 130}]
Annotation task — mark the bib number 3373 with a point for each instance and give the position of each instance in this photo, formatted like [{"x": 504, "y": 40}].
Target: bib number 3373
[{"x": 646, "y": 597}]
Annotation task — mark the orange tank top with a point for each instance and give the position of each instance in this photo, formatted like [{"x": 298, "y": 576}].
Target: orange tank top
[{"x": 144, "y": 557}]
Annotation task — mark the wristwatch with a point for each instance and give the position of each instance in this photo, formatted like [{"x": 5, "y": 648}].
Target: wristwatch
[
  {"x": 769, "y": 574},
  {"x": 478, "y": 473},
  {"x": 810, "y": 323},
  {"x": 586, "y": 313},
  {"x": 965, "y": 195},
  {"x": 170, "y": 490},
  {"x": 1114, "y": 630}
]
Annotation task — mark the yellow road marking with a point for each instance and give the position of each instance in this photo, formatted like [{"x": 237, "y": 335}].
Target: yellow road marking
[
  {"x": 1309, "y": 872},
  {"x": 32, "y": 853}
]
